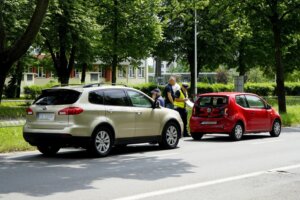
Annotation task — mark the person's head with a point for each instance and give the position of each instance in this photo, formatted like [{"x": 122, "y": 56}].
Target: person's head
[
  {"x": 172, "y": 80},
  {"x": 155, "y": 93},
  {"x": 184, "y": 86}
]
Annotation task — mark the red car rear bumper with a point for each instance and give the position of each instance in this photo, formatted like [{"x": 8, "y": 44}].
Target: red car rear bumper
[{"x": 211, "y": 125}]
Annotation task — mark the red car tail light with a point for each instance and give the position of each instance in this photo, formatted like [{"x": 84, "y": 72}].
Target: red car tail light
[
  {"x": 29, "y": 111},
  {"x": 70, "y": 111}
]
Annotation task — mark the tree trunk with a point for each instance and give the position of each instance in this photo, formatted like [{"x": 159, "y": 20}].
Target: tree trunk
[
  {"x": 83, "y": 72},
  {"x": 190, "y": 57},
  {"x": 279, "y": 66},
  {"x": 19, "y": 74},
  {"x": 3, "y": 73},
  {"x": 115, "y": 42},
  {"x": 114, "y": 69},
  {"x": 158, "y": 63},
  {"x": 241, "y": 60}
]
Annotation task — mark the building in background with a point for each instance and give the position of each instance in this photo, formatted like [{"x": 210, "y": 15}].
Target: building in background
[{"x": 127, "y": 74}]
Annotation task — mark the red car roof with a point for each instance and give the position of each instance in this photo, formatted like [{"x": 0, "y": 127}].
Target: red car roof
[{"x": 223, "y": 94}]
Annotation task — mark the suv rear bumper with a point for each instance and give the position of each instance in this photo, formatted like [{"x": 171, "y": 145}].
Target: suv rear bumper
[{"x": 62, "y": 140}]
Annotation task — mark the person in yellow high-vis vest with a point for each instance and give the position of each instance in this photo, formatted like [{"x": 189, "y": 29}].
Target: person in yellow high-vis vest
[{"x": 181, "y": 96}]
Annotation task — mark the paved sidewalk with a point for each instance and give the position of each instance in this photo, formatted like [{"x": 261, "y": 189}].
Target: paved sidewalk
[{"x": 9, "y": 123}]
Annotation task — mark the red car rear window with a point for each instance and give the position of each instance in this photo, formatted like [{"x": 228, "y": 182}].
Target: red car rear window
[{"x": 212, "y": 101}]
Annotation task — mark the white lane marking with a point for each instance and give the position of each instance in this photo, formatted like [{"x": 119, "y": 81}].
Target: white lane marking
[
  {"x": 204, "y": 184},
  {"x": 265, "y": 142}
]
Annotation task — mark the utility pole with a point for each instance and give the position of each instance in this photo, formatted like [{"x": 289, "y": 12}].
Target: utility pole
[{"x": 196, "y": 53}]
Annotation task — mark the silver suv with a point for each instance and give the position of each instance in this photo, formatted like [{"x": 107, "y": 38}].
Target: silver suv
[{"x": 97, "y": 119}]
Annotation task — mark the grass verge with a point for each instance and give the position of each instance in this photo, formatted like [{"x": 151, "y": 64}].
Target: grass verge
[
  {"x": 292, "y": 118},
  {"x": 11, "y": 139}
]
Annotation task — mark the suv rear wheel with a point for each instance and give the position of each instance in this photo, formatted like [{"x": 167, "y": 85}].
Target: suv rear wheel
[
  {"x": 276, "y": 129},
  {"x": 237, "y": 132},
  {"x": 48, "y": 150},
  {"x": 197, "y": 136},
  {"x": 170, "y": 136},
  {"x": 102, "y": 142}
]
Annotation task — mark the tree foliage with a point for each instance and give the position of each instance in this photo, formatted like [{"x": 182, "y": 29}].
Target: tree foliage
[
  {"x": 20, "y": 22},
  {"x": 130, "y": 30},
  {"x": 70, "y": 32}
]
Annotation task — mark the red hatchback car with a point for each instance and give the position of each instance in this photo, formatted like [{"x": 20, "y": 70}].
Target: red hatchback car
[{"x": 234, "y": 114}]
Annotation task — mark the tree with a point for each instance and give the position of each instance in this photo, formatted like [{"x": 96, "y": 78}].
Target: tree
[
  {"x": 213, "y": 36},
  {"x": 69, "y": 32},
  {"x": 130, "y": 30},
  {"x": 14, "y": 45},
  {"x": 281, "y": 19}
]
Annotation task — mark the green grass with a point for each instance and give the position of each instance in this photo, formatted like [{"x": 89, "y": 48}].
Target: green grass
[
  {"x": 292, "y": 118},
  {"x": 12, "y": 140},
  {"x": 13, "y": 110}
]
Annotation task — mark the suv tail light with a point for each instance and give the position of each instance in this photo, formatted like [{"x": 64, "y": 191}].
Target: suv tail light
[
  {"x": 29, "y": 111},
  {"x": 70, "y": 111}
]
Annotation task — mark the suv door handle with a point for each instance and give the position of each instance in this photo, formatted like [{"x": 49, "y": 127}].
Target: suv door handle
[
  {"x": 110, "y": 111},
  {"x": 139, "y": 113}
]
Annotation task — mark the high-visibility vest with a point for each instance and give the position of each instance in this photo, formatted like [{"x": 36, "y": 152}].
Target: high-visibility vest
[{"x": 180, "y": 104}]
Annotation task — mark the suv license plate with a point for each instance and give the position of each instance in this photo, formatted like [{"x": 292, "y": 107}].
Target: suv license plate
[
  {"x": 209, "y": 123},
  {"x": 46, "y": 116}
]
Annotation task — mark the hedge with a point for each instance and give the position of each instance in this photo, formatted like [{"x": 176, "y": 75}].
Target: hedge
[{"x": 262, "y": 89}]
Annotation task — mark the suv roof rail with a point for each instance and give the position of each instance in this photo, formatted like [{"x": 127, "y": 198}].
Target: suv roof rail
[
  {"x": 100, "y": 84},
  {"x": 63, "y": 85}
]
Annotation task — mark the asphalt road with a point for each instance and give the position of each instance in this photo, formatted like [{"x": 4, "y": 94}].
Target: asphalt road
[{"x": 258, "y": 167}]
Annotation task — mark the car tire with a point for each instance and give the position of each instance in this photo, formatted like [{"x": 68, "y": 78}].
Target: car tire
[
  {"x": 276, "y": 129},
  {"x": 170, "y": 136},
  {"x": 48, "y": 150},
  {"x": 197, "y": 136},
  {"x": 237, "y": 132},
  {"x": 101, "y": 142}
]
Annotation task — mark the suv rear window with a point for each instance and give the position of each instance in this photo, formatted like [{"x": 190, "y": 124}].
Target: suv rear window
[
  {"x": 213, "y": 101},
  {"x": 57, "y": 97}
]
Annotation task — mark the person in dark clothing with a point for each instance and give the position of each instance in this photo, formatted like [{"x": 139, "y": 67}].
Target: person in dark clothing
[
  {"x": 169, "y": 93},
  {"x": 156, "y": 95},
  {"x": 181, "y": 96}
]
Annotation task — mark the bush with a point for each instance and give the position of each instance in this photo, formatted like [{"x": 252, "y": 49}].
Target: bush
[
  {"x": 292, "y": 88},
  {"x": 33, "y": 91},
  {"x": 262, "y": 89},
  {"x": 148, "y": 87}
]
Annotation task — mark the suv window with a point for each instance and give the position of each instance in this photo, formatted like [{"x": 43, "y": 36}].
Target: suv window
[
  {"x": 241, "y": 100},
  {"x": 115, "y": 98},
  {"x": 96, "y": 97},
  {"x": 255, "y": 102},
  {"x": 57, "y": 97},
  {"x": 213, "y": 101},
  {"x": 139, "y": 100}
]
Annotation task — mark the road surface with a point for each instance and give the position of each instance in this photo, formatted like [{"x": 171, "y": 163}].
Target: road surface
[{"x": 258, "y": 167}]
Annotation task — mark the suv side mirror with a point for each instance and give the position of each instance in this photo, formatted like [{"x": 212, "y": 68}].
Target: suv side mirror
[
  {"x": 156, "y": 104},
  {"x": 268, "y": 107}
]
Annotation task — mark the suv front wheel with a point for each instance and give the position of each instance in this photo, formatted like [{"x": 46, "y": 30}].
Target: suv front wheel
[
  {"x": 170, "y": 136},
  {"x": 102, "y": 142}
]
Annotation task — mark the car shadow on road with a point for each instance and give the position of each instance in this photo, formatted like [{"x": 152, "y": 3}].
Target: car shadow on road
[
  {"x": 38, "y": 176},
  {"x": 226, "y": 138}
]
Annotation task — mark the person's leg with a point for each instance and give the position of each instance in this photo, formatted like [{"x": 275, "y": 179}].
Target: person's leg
[
  {"x": 185, "y": 123},
  {"x": 183, "y": 116},
  {"x": 170, "y": 106}
]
